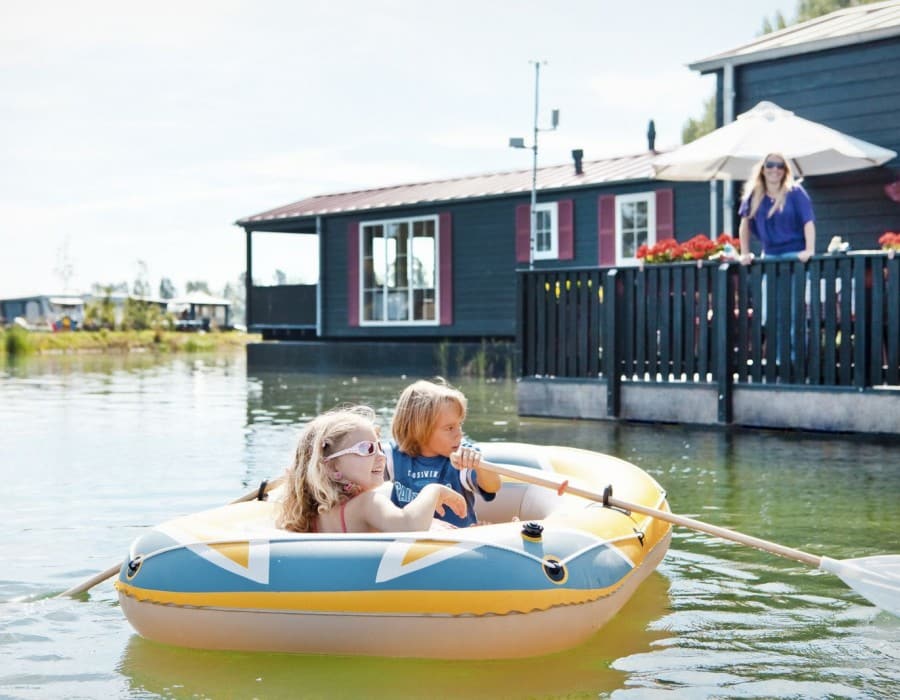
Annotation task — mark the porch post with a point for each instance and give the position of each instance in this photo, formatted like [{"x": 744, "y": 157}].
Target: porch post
[
  {"x": 248, "y": 281},
  {"x": 611, "y": 346},
  {"x": 723, "y": 323}
]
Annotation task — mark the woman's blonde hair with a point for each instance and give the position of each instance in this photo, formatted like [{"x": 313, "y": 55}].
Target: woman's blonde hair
[
  {"x": 755, "y": 187},
  {"x": 416, "y": 415},
  {"x": 311, "y": 487}
]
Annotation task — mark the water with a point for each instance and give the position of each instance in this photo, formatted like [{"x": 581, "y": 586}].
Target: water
[{"x": 95, "y": 449}]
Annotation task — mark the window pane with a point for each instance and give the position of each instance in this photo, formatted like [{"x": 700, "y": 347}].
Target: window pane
[
  {"x": 640, "y": 215},
  {"x": 628, "y": 247},
  {"x": 373, "y": 306},
  {"x": 397, "y": 305},
  {"x": 423, "y": 255},
  {"x": 628, "y": 215},
  {"x": 423, "y": 300}
]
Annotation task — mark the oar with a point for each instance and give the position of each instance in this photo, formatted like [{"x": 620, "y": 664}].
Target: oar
[
  {"x": 875, "y": 578},
  {"x": 263, "y": 489}
]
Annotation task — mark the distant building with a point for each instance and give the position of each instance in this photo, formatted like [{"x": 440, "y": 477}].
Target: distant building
[{"x": 44, "y": 311}]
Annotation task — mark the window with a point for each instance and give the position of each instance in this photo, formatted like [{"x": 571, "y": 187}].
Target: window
[
  {"x": 635, "y": 225},
  {"x": 399, "y": 271},
  {"x": 546, "y": 231}
]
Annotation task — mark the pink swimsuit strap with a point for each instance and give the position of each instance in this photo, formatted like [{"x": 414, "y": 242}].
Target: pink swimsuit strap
[
  {"x": 313, "y": 527},
  {"x": 343, "y": 521}
]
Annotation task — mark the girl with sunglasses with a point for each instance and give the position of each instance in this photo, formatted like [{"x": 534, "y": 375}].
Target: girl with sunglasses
[
  {"x": 332, "y": 482},
  {"x": 778, "y": 211},
  {"x": 429, "y": 449}
]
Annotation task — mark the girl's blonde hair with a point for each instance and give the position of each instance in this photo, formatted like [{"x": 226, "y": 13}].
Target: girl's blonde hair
[
  {"x": 311, "y": 488},
  {"x": 755, "y": 187},
  {"x": 416, "y": 415}
]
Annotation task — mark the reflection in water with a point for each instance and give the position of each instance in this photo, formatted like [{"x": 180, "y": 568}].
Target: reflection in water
[
  {"x": 95, "y": 449},
  {"x": 583, "y": 671}
]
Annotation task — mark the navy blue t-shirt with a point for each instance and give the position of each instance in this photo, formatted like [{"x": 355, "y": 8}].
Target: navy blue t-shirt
[{"x": 412, "y": 474}]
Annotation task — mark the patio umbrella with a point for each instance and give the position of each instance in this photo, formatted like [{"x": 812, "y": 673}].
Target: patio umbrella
[{"x": 730, "y": 151}]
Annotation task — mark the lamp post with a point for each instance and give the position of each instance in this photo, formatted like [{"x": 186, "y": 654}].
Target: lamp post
[{"x": 518, "y": 142}]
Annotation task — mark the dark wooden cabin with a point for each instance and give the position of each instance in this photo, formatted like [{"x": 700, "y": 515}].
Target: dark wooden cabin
[{"x": 435, "y": 262}]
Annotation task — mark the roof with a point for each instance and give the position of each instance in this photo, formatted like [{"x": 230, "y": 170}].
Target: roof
[
  {"x": 607, "y": 170},
  {"x": 200, "y": 299},
  {"x": 852, "y": 25}
]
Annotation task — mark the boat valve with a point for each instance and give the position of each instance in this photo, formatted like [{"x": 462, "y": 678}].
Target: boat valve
[
  {"x": 133, "y": 566},
  {"x": 555, "y": 570},
  {"x": 532, "y": 531}
]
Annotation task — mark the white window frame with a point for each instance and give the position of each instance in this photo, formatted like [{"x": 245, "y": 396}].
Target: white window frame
[
  {"x": 410, "y": 220},
  {"x": 553, "y": 210},
  {"x": 650, "y": 199}
]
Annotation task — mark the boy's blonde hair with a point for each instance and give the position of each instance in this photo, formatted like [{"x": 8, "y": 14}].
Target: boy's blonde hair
[
  {"x": 417, "y": 412},
  {"x": 310, "y": 487}
]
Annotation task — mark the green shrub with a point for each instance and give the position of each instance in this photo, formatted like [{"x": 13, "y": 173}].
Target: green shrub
[{"x": 17, "y": 341}]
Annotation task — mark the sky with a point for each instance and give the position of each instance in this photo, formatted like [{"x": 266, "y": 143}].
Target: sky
[{"x": 134, "y": 135}]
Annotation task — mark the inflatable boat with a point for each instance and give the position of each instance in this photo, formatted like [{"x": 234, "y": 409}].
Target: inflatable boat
[{"x": 543, "y": 573}]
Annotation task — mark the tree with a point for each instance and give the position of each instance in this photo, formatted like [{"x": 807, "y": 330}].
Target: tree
[
  {"x": 197, "y": 286},
  {"x": 141, "y": 287},
  {"x": 166, "y": 288},
  {"x": 779, "y": 23},
  {"x": 65, "y": 268},
  {"x": 810, "y": 9},
  {"x": 695, "y": 128},
  {"x": 236, "y": 292}
]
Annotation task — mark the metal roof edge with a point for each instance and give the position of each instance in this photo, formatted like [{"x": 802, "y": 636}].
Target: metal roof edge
[
  {"x": 251, "y": 225},
  {"x": 720, "y": 61}
]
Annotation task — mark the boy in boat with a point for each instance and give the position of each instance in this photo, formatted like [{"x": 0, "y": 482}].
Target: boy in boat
[
  {"x": 428, "y": 448},
  {"x": 332, "y": 482}
]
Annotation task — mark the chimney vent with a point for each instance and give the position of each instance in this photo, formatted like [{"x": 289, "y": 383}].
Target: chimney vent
[
  {"x": 651, "y": 137},
  {"x": 577, "y": 155}
]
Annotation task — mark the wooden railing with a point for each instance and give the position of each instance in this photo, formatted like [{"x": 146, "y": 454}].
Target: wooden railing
[
  {"x": 834, "y": 321},
  {"x": 285, "y": 306}
]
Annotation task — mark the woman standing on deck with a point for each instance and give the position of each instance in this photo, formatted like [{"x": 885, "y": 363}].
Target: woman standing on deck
[{"x": 778, "y": 211}]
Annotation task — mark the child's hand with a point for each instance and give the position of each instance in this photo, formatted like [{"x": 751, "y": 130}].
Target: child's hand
[
  {"x": 449, "y": 497},
  {"x": 465, "y": 458}
]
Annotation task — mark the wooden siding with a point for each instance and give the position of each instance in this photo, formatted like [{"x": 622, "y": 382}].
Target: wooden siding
[
  {"x": 484, "y": 257},
  {"x": 855, "y": 90}
]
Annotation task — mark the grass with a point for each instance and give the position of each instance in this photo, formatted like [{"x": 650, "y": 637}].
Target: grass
[{"x": 19, "y": 342}]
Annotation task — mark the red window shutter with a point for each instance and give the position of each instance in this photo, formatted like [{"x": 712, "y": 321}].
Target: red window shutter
[
  {"x": 665, "y": 214},
  {"x": 565, "y": 209},
  {"x": 523, "y": 233},
  {"x": 445, "y": 256},
  {"x": 606, "y": 230},
  {"x": 353, "y": 273}
]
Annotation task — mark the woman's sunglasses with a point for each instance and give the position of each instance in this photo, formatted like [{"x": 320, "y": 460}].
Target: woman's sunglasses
[
  {"x": 366, "y": 448},
  {"x": 774, "y": 164}
]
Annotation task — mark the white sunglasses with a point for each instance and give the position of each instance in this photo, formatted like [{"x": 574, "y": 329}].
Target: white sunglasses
[{"x": 366, "y": 448}]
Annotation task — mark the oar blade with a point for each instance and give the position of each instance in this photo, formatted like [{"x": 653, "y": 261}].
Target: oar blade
[{"x": 875, "y": 578}]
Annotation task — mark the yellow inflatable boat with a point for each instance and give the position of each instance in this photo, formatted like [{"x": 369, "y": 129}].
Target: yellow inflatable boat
[{"x": 544, "y": 574}]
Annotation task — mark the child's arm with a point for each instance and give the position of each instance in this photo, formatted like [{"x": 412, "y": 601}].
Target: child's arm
[
  {"x": 383, "y": 515},
  {"x": 469, "y": 458}
]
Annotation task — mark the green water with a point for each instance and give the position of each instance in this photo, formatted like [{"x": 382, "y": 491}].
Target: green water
[{"x": 93, "y": 450}]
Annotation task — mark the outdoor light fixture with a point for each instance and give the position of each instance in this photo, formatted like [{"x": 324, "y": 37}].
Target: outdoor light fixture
[{"x": 518, "y": 142}]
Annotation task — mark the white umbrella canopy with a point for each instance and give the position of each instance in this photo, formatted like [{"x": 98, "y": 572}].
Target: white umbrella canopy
[{"x": 731, "y": 151}]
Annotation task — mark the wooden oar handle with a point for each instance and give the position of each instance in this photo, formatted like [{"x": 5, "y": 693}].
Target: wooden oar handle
[
  {"x": 562, "y": 485},
  {"x": 255, "y": 494}
]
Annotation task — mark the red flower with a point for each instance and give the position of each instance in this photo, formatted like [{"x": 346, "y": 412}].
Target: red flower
[
  {"x": 890, "y": 241},
  {"x": 700, "y": 247}
]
